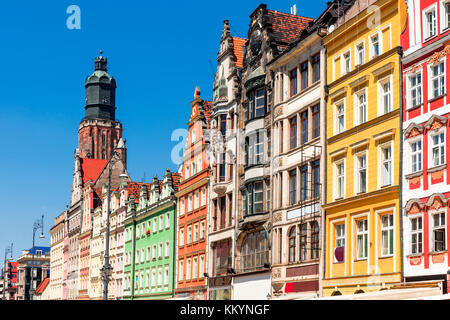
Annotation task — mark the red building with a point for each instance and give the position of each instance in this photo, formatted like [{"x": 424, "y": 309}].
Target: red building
[
  {"x": 426, "y": 141},
  {"x": 192, "y": 206}
]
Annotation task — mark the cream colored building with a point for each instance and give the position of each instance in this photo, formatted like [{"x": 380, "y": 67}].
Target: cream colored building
[{"x": 55, "y": 288}]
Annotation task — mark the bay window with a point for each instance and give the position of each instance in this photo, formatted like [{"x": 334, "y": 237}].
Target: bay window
[
  {"x": 252, "y": 197},
  {"x": 254, "y": 251}
]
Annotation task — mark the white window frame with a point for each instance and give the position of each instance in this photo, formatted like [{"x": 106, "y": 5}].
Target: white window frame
[
  {"x": 357, "y": 184},
  {"x": 378, "y": 34},
  {"x": 167, "y": 249},
  {"x": 182, "y": 207},
  {"x": 161, "y": 222},
  {"x": 160, "y": 249},
  {"x": 166, "y": 275},
  {"x": 357, "y": 111},
  {"x": 180, "y": 270},
  {"x": 336, "y": 116},
  {"x": 203, "y": 197},
  {"x": 417, "y": 154},
  {"x": 155, "y": 223},
  {"x": 190, "y": 202},
  {"x": 364, "y": 234},
  {"x": 196, "y": 235},
  {"x": 358, "y": 61},
  {"x": 380, "y": 163},
  {"x": 196, "y": 199},
  {"x": 202, "y": 230},
  {"x": 195, "y": 267},
  {"x": 416, "y": 232},
  {"x": 189, "y": 235},
  {"x": 441, "y": 225},
  {"x": 167, "y": 220},
  {"x": 344, "y": 69},
  {"x": 440, "y": 146},
  {"x": 381, "y": 95},
  {"x": 153, "y": 277},
  {"x": 336, "y": 179},
  {"x": 339, "y": 237},
  {"x": 387, "y": 229},
  {"x": 188, "y": 269},
  {"x": 181, "y": 240},
  {"x": 426, "y": 30},
  {"x": 417, "y": 87},
  {"x": 431, "y": 78}
]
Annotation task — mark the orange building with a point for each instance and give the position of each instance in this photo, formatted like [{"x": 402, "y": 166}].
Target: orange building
[{"x": 192, "y": 206}]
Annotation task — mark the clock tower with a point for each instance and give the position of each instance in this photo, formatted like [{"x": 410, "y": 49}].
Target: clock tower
[{"x": 99, "y": 132}]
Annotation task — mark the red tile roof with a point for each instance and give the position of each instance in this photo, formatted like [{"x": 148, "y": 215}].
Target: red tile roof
[
  {"x": 238, "y": 43},
  {"x": 176, "y": 178},
  {"x": 134, "y": 188},
  {"x": 41, "y": 287},
  {"x": 91, "y": 168},
  {"x": 287, "y": 27}
]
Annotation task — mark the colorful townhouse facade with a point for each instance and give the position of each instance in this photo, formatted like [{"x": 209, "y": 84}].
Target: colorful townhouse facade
[
  {"x": 150, "y": 240},
  {"x": 192, "y": 208},
  {"x": 33, "y": 266},
  {"x": 426, "y": 148},
  {"x": 298, "y": 164},
  {"x": 363, "y": 209},
  {"x": 57, "y": 234},
  {"x": 270, "y": 32},
  {"x": 223, "y": 161}
]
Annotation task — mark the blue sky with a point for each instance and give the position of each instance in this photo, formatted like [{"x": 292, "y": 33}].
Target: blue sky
[{"x": 157, "y": 51}]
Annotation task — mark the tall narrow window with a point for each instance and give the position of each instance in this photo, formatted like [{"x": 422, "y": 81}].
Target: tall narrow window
[
  {"x": 223, "y": 124},
  {"x": 269, "y": 145},
  {"x": 387, "y": 235},
  {"x": 439, "y": 232},
  {"x": 180, "y": 271},
  {"x": 360, "y": 54},
  {"x": 386, "y": 96},
  {"x": 387, "y": 166},
  {"x": 293, "y": 126},
  {"x": 293, "y": 79},
  {"x": 375, "y": 46},
  {"x": 267, "y": 195},
  {"x": 340, "y": 118},
  {"x": 303, "y": 241},
  {"x": 340, "y": 180},
  {"x": 304, "y": 186},
  {"x": 347, "y": 61},
  {"x": 361, "y": 239},
  {"x": 316, "y": 121},
  {"x": 315, "y": 64},
  {"x": 304, "y": 123},
  {"x": 340, "y": 235},
  {"x": 304, "y": 74},
  {"x": 362, "y": 108},
  {"x": 293, "y": 186},
  {"x": 415, "y": 93},
  {"x": 259, "y": 147},
  {"x": 416, "y": 156},
  {"x": 438, "y": 149},
  {"x": 222, "y": 167},
  {"x": 314, "y": 240},
  {"x": 259, "y": 103},
  {"x": 437, "y": 80},
  {"x": 416, "y": 235},
  {"x": 362, "y": 174},
  {"x": 292, "y": 242},
  {"x": 431, "y": 23},
  {"x": 258, "y": 200}
]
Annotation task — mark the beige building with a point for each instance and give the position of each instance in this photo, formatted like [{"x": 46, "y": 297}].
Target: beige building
[
  {"x": 95, "y": 261},
  {"x": 55, "y": 287},
  {"x": 298, "y": 133}
]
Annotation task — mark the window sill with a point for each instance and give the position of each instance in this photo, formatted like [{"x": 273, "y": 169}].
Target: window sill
[
  {"x": 414, "y": 107},
  {"x": 437, "y": 252},
  {"x": 414, "y": 255},
  {"x": 437, "y": 98},
  {"x": 430, "y": 38},
  {"x": 437, "y": 168},
  {"x": 360, "y": 259},
  {"x": 386, "y": 257},
  {"x": 414, "y": 174},
  {"x": 339, "y": 262}
]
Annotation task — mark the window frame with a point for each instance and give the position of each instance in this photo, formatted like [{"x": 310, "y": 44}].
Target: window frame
[
  {"x": 442, "y": 75},
  {"x": 363, "y": 234},
  {"x": 360, "y": 106},
  {"x": 442, "y": 226},
  {"x": 416, "y": 232},
  {"x": 390, "y": 235}
]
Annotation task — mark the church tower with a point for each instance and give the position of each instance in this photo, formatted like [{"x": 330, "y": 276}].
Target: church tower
[{"x": 99, "y": 132}]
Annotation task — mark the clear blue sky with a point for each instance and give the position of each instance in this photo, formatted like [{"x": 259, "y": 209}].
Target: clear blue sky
[{"x": 158, "y": 51}]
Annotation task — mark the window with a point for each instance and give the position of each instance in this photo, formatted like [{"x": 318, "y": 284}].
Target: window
[
  {"x": 293, "y": 80},
  {"x": 267, "y": 195},
  {"x": 196, "y": 199},
  {"x": 202, "y": 229},
  {"x": 304, "y": 74},
  {"x": 315, "y": 64},
  {"x": 138, "y": 231},
  {"x": 386, "y": 166},
  {"x": 416, "y": 156},
  {"x": 340, "y": 180},
  {"x": 430, "y": 23},
  {"x": 347, "y": 62},
  {"x": 293, "y": 126},
  {"x": 304, "y": 182},
  {"x": 340, "y": 235},
  {"x": 315, "y": 167},
  {"x": 386, "y": 96},
  {"x": 387, "y": 235},
  {"x": 361, "y": 101},
  {"x": 447, "y": 15},
  {"x": 203, "y": 197},
  {"x": 180, "y": 271},
  {"x": 314, "y": 240},
  {"x": 199, "y": 165},
  {"x": 154, "y": 252},
  {"x": 167, "y": 249},
  {"x": 375, "y": 46},
  {"x": 221, "y": 257},
  {"x": 316, "y": 121},
  {"x": 259, "y": 102},
  {"x": 304, "y": 123},
  {"x": 188, "y": 269},
  {"x": 439, "y": 232},
  {"x": 201, "y": 268},
  {"x": 340, "y": 118},
  {"x": 438, "y": 149},
  {"x": 258, "y": 199},
  {"x": 161, "y": 222},
  {"x": 415, "y": 89},
  {"x": 360, "y": 54},
  {"x": 292, "y": 242},
  {"x": 361, "y": 239},
  {"x": 166, "y": 275},
  {"x": 160, "y": 249},
  {"x": 437, "y": 80},
  {"x": 189, "y": 235},
  {"x": 196, "y": 232},
  {"x": 167, "y": 220},
  {"x": 148, "y": 253},
  {"x": 153, "y": 277},
  {"x": 254, "y": 251},
  {"x": 254, "y": 148},
  {"x": 195, "y": 268},
  {"x": 223, "y": 124},
  {"x": 159, "y": 276},
  {"x": 155, "y": 221},
  {"x": 362, "y": 174},
  {"x": 303, "y": 241},
  {"x": 416, "y": 235},
  {"x": 269, "y": 147},
  {"x": 186, "y": 171},
  {"x": 182, "y": 207},
  {"x": 181, "y": 241},
  {"x": 190, "y": 203},
  {"x": 293, "y": 186}
]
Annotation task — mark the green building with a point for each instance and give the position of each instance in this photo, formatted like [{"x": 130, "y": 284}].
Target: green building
[{"x": 150, "y": 239}]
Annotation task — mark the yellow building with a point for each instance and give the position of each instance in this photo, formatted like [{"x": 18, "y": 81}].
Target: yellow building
[{"x": 362, "y": 213}]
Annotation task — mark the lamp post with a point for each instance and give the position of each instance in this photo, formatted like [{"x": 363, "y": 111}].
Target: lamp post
[
  {"x": 8, "y": 250},
  {"x": 38, "y": 224},
  {"x": 106, "y": 270}
]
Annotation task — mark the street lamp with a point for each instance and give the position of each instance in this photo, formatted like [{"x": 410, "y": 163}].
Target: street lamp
[
  {"x": 107, "y": 269},
  {"x": 8, "y": 250},
  {"x": 38, "y": 224}
]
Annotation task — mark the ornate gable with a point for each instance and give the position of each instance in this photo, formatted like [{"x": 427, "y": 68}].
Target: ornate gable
[
  {"x": 435, "y": 122},
  {"x": 413, "y": 206},
  {"x": 436, "y": 201},
  {"x": 413, "y": 130}
]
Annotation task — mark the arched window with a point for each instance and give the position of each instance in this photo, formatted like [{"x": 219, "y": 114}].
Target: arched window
[
  {"x": 254, "y": 251},
  {"x": 292, "y": 242}
]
